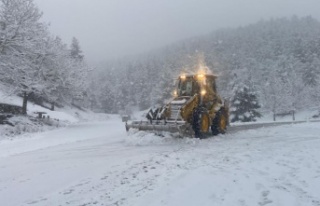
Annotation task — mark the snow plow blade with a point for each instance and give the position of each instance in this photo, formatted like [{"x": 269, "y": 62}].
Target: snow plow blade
[{"x": 180, "y": 127}]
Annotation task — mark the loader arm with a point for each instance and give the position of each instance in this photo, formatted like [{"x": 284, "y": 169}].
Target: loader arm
[{"x": 187, "y": 109}]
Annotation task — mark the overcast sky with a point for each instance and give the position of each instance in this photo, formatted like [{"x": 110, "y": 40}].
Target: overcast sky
[{"x": 114, "y": 28}]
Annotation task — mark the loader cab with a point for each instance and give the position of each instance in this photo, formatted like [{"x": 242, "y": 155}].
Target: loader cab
[{"x": 189, "y": 85}]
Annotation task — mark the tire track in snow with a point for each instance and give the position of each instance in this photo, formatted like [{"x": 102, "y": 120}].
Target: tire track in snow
[{"x": 264, "y": 164}]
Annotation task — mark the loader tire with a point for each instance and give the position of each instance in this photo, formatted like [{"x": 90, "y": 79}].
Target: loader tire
[
  {"x": 219, "y": 123},
  {"x": 200, "y": 122}
]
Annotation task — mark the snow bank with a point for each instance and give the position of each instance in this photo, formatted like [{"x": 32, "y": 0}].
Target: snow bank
[
  {"x": 150, "y": 138},
  {"x": 59, "y": 118},
  {"x": 8, "y": 98},
  {"x": 34, "y": 141},
  {"x": 32, "y": 108}
]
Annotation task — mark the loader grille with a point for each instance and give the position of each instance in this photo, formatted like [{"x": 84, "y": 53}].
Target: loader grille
[{"x": 175, "y": 112}]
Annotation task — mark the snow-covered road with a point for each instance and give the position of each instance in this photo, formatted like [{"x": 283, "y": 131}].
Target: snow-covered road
[{"x": 99, "y": 164}]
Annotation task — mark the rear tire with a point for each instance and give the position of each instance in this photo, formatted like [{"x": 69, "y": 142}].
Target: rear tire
[{"x": 219, "y": 123}]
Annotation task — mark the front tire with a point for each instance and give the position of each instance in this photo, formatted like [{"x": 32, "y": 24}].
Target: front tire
[{"x": 200, "y": 122}]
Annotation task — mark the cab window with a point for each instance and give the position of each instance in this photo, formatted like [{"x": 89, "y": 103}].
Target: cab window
[
  {"x": 185, "y": 88},
  {"x": 211, "y": 83}
]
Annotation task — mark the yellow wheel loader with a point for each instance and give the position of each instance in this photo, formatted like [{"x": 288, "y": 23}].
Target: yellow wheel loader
[{"x": 196, "y": 109}]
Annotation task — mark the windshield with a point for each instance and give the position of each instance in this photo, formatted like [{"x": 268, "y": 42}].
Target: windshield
[{"x": 186, "y": 87}]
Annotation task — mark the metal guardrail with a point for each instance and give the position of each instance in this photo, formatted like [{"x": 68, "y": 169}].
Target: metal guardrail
[
  {"x": 235, "y": 128},
  {"x": 183, "y": 128}
]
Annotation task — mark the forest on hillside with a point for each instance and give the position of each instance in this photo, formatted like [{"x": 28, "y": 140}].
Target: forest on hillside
[{"x": 276, "y": 60}]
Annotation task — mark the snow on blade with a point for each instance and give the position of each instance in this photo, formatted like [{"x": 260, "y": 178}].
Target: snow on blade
[{"x": 145, "y": 138}]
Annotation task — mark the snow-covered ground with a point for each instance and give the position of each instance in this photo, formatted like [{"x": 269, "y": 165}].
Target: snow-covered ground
[
  {"x": 32, "y": 108},
  {"x": 97, "y": 163},
  {"x": 58, "y": 118}
]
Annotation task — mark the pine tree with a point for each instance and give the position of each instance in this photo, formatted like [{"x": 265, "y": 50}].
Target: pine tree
[
  {"x": 244, "y": 106},
  {"x": 108, "y": 101},
  {"x": 311, "y": 72},
  {"x": 75, "y": 51}
]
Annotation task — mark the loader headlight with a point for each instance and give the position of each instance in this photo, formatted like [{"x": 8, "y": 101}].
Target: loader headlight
[
  {"x": 183, "y": 77},
  {"x": 175, "y": 93},
  {"x": 200, "y": 76},
  {"x": 203, "y": 92}
]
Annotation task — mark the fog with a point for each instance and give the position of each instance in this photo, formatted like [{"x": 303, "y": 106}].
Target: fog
[{"x": 113, "y": 28}]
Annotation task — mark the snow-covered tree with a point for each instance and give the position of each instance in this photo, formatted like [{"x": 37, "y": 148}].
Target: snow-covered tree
[
  {"x": 75, "y": 50},
  {"x": 21, "y": 37},
  {"x": 270, "y": 57},
  {"x": 311, "y": 71},
  {"x": 34, "y": 62},
  {"x": 244, "y": 106}
]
